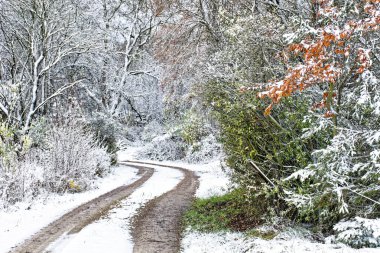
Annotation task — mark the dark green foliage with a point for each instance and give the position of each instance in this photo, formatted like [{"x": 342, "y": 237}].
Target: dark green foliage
[{"x": 273, "y": 142}]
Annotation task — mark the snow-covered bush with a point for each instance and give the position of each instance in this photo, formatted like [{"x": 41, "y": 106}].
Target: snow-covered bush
[
  {"x": 101, "y": 161},
  {"x": 274, "y": 143},
  {"x": 15, "y": 178},
  {"x": 10, "y": 149},
  {"x": 193, "y": 128},
  {"x": 23, "y": 183},
  {"x": 343, "y": 180},
  {"x": 190, "y": 140},
  {"x": 151, "y": 130},
  {"x": 165, "y": 147},
  {"x": 69, "y": 161},
  {"x": 131, "y": 134},
  {"x": 358, "y": 232},
  {"x": 204, "y": 150},
  {"x": 7, "y": 154},
  {"x": 37, "y": 132}
]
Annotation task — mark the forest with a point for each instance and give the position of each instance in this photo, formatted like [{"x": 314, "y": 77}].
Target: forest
[{"x": 284, "y": 93}]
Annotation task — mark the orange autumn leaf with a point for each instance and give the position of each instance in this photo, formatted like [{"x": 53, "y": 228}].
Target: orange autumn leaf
[
  {"x": 268, "y": 110},
  {"x": 329, "y": 114}
]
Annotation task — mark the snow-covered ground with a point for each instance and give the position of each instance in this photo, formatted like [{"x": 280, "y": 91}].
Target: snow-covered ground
[
  {"x": 112, "y": 233},
  {"x": 25, "y": 219},
  {"x": 238, "y": 243},
  {"x": 212, "y": 179}
]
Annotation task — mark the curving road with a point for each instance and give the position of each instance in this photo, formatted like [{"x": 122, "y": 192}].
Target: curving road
[{"x": 156, "y": 228}]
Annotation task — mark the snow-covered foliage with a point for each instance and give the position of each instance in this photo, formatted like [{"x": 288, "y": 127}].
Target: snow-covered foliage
[
  {"x": 164, "y": 147},
  {"x": 205, "y": 150},
  {"x": 344, "y": 177},
  {"x": 74, "y": 158},
  {"x": 190, "y": 140},
  {"x": 358, "y": 232},
  {"x": 191, "y": 137},
  {"x": 69, "y": 161},
  {"x": 106, "y": 131},
  {"x": 152, "y": 130},
  {"x": 24, "y": 183},
  {"x": 161, "y": 146}
]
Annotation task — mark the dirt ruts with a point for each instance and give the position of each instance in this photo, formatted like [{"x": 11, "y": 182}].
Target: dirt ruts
[
  {"x": 81, "y": 216},
  {"x": 157, "y": 228}
]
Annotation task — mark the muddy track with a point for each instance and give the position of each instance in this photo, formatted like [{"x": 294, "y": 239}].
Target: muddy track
[
  {"x": 81, "y": 216},
  {"x": 157, "y": 228}
]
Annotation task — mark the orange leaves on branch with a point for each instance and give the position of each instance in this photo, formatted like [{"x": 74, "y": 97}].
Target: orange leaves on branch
[
  {"x": 326, "y": 95},
  {"x": 319, "y": 105},
  {"x": 296, "y": 48},
  {"x": 329, "y": 114},
  {"x": 325, "y": 57},
  {"x": 364, "y": 60}
]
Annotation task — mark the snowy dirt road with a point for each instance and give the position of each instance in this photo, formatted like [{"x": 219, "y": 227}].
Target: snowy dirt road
[
  {"x": 149, "y": 210},
  {"x": 157, "y": 228},
  {"x": 81, "y": 216}
]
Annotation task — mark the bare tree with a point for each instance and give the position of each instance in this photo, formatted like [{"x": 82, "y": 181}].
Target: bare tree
[
  {"x": 125, "y": 73},
  {"x": 38, "y": 37}
]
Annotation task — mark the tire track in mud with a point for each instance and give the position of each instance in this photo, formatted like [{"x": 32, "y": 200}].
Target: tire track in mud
[
  {"x": 157, "y": 227},
  {"x": 75, "y": 220}
]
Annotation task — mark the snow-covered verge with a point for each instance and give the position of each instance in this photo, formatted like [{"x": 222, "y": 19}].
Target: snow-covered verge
[
  {"x": 23, "y": 219},
  {"x": 112, "y": 233},
  {"x": 238, "y": 243},
  {"x": 289, "y": 240}
]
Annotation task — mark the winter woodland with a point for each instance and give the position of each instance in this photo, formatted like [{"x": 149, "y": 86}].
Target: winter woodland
[{"x": 286, "y": 93}]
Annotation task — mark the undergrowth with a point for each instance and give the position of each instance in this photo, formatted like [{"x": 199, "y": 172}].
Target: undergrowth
[{"x": 230, "y": 212}]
